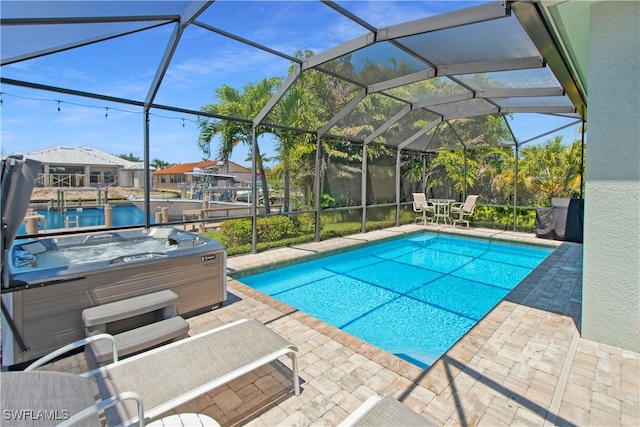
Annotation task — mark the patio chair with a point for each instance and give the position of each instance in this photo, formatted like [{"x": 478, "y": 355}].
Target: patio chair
[
  {"x": 385, "y": 411},
  {"x": 178, "y": 372},
  {"x": 43, "y": 398},
  {"x": 421, "y": 205},
  {"x": 464, "y": 210}
]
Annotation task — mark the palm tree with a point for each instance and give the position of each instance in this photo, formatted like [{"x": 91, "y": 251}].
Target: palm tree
[
  {"x": 290, "y": 112},
  {"x": 245, "y": 104},
  {"x": 503, "y": 178},
  {"x": 574, "y": 156},
  {"x": 158, "y": 164},
  {"x": 454, "y": 178},
  {"x": 551, "y": 169},
  {"x": 130, "y": 157}
]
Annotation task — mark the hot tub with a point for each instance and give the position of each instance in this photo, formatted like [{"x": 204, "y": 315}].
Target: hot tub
[{"x": 51, "y": 280}]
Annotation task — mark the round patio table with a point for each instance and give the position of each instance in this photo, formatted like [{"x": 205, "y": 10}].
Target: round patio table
[{"x": 442, "y": 210}]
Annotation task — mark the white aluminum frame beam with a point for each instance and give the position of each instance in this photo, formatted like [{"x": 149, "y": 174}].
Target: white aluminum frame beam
[
  {"x": 551, "y": 131},
  {"x": 490, "y": 93},
  {"x": 538, "y": 32},
  {"x": 338, "y": 51},
  {"x": 187, "y": 17},
  {"x": 519, "y": 92},
  {"x": 506, "y": 122},
  {"x": 164, "y": 64},
  {"x": 418, "y": 134},
  {"x": 246, "y": 41},
  {"x": 80, "y": 43},
  {"x": 460, "y": 141},
  {"x": 472, "y": 15},
  {"x": 54, "y": 89},
  {"x": 458, "y": 18},
  {"x": 443, "y": 100},
  {"x": 284, "y": 87},
  {"x": 376, "y": 133},
  {"x": 541, "y": 109},
  {"x": 525, "y": 63},
  {"x": 426, "y": 147},
  {"x": 474, "y": 113},
  {"x": 87, "y": 19},
  {"x": 401, "y": 81},
  {"x": 345, "y": 110}
]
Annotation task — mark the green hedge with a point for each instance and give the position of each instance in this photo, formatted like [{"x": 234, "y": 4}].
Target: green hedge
[
  {"x": 273, "y": 231},
  {"x": 280, "y": 231},
  {"x": 502, "y": 217}
]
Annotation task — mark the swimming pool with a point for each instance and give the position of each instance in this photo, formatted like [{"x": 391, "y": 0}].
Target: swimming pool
[
  {"x": 413, "y": 297},
  {"x": 91, "y": 217}
]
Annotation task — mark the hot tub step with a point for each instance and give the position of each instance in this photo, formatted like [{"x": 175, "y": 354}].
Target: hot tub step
[
  {"x": 136, "y": 324},
  {"x": 96, "y": 319},
  {"x": 138, "y": 339}
]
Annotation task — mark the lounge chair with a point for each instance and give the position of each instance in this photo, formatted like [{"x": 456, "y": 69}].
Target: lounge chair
[
  {"x": 176, "y": 373},
  {"x": 421, "y": 205},
  {"x": 45, "y": 398},
  {"x": 464, "y": 210},
  {"x": 385, "y": 411}
]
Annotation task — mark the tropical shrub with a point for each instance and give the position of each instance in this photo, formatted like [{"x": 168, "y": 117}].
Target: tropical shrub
[
  {"x": 237, "y": 232},
  {"x": 502, "y": 217}
]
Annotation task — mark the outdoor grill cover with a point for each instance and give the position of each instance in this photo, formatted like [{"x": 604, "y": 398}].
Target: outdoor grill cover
[{"x": 562, "y": 221}]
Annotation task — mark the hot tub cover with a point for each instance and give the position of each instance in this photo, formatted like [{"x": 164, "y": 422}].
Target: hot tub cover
[{"x": 18, "y": 178}]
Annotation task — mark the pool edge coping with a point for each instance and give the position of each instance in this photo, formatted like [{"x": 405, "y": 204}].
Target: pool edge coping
[{"x": 307, "y": 255}]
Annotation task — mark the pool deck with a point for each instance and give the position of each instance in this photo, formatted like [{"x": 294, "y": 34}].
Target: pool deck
[{"x": 524, "y": 363}]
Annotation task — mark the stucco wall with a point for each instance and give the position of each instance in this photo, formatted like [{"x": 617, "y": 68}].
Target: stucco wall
[
  {"x": 125, "y": 178},
  {"x": 611, "y": 284}
]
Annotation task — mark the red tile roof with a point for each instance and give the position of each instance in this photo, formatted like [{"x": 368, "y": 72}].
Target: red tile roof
[
  {"x": 185, "y": 167},
  {"x": 188, "y": 167}
]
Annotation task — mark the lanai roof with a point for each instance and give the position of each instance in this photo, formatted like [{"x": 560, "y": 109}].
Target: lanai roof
[{"x": 482, "y": 58}]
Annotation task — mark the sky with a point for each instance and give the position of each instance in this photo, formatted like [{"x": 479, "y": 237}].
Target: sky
[{"x": 124, "y": 67}]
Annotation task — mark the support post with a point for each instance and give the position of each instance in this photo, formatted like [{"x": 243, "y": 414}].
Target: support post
[
  {"x": 31, "y": 225},
  {"x": 147, "y": 170},
  {"x": 515, "y": 191},
  {"x": 464, "y": 186},
  {"x": 108, "y": 216},
  {"x": 318, "y": 185},
  {"x": 254, "y": 191},
  {"x": 363, "y": 189},
  {"x": 398, "y": 158}
]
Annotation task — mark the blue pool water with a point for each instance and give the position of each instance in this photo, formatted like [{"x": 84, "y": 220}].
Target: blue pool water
[
  {"x": 414, "y": 297},
  {"x": 91, "y": 217}
]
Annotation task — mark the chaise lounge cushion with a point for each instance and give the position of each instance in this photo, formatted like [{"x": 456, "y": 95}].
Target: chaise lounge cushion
[
  {"x": 383, "y": 412},
  {"x": 44, "y": 398},
  {"x": 176, "y": 373}
]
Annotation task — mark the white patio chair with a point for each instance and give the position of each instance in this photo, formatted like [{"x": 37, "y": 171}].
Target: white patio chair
[
  {"x": 421, "y": 205},
  {"x": 464, "y": 210}
]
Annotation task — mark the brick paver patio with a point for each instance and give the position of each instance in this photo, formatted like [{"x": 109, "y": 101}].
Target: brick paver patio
[{"x": 523, "y": 364}]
